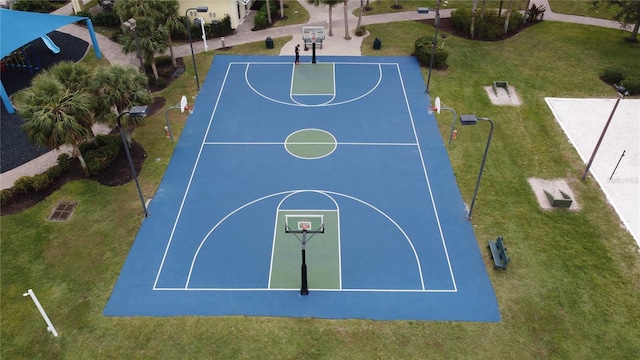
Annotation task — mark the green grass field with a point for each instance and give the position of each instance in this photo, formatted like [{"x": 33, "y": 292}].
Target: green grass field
[{"x": 572, "y": 290}]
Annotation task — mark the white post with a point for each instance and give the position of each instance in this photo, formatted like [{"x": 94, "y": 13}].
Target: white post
[
  {"x": 50, "y": 327},
  {"x": 204, "y": 36}
]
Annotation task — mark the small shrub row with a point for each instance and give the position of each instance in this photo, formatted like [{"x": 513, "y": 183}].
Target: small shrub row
[
  {"x": 103, "y": 18},
  {"x": 489, "y": 27},
  {"x": 214, "y": 29},
  {"x": 424, "y": 47},
  {"x": 41, "y": 6},
  {"x": 37, "y": 182},
  {"x": 615, "y": 75}
]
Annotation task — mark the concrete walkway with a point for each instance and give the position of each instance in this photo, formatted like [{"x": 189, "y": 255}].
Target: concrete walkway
[{"x": 332, "y": 45}]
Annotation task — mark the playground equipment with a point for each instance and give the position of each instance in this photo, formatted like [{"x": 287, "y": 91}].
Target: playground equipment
[
  {"x": 50, "y": 44},
  {"x": 19, "y": 59}
]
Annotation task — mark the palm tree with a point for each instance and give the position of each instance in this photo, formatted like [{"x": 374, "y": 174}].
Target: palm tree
[
  {"x": 117, "y": 88},
  {"x": 56, "y": 115},
  {"x": 172, "y": 22},
  {"x": 474, "y": 8},
  {"x": 152, "y": 40},
  {"x": 127, "y": 9},
  {"x": 331, "y": 4},
  {"x": 508, "y": 16},
  {"x": 347, "y": 36},
  {"x": 74, "y": 76}
]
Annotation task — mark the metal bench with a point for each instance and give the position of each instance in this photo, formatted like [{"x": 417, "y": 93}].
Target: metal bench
[{"x": 498, "y": 253}]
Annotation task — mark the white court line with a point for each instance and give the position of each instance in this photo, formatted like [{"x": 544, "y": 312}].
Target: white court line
[{"x": 270, "y": 143}]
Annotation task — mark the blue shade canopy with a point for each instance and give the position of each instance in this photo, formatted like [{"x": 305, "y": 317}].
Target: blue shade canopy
[{"x": 18, "y": 28}]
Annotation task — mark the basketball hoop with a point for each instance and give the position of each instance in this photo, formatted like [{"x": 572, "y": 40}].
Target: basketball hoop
[
  {"x": 432, "y": 109},
  {"x": 188, "y": 108}
]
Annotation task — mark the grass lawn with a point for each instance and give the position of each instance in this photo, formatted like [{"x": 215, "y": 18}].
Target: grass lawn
[
  {"x": 582, "y": 8},
  {"x": 572, "y": 290}
]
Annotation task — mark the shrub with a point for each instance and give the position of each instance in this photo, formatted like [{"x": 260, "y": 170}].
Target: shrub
[
  {"x": 109, "y": 19},
  {"x": 22, "y": 185},
  {"x": 64, "y": 161},
  {"x": 423, "y": 48},
  {"x": 461, "y": 20},
  {"x": 260, "y": 21},
  {"x": 163, "y": 60},
  {"x": 612, "y": 75},
  {"x": 41, "y": 181},
  {"x": 489, "y": 27},
  {"x": 100, "y": 153},
  {"x": 41, "y": 6},
  {"x": 6, "y": 195},
  {"x": 632, "y": 84},
  {"x": 84, "y": 14}
]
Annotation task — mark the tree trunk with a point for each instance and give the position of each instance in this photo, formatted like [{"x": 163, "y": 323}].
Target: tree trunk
[
  {"x": 484, "y": 4},
  {"x": 634, "y": 34},
  {"x": 268, "y": 12},
  {"x": 506, "y": 21},
  {"x": 173, "y": 57},
  {"x": 474, "y": 8},
  {"x": 154, "y": 68},
  {"x": 347, "y": 36},
  {"x": 85, "y": 168},
  {"x": 281, "y": 9},
  {"x": 360, "y": 15},
  {"x": 526, "y": 11},
  {"x": 330, "y": 20}
]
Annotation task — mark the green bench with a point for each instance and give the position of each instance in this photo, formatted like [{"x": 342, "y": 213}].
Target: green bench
[{"x": 498, "y": 253}]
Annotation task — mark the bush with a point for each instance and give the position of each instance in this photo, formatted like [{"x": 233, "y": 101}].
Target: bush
[
  {"x": 163, "y": 60},
  {"x": 100, "y": 153},
  {"x": 41, "y": 6},
  {"x": 41, "y": 181},
  {"x": 424, "y": 46},
  {"x": 22, "y": 185},
  {"x": 612, "y": 75},
  {"x": 84, "y": 14},
  {"x": 6, "y": 195},
  {"x": 632, "y": 84},
  {"x": 108, "y": 19},
  {"x": 489, "y": 27},
  {"x": 260, "y": 21}
]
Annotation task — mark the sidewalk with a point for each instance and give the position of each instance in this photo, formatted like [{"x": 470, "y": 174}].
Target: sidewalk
[{"x": 332, "y": 45}]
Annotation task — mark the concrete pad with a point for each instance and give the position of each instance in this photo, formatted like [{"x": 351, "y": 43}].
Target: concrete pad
[
  {"x": 552, "y": 186},
  {"x": 501, "y": 97},
  {"x": 583, "y": 120}
]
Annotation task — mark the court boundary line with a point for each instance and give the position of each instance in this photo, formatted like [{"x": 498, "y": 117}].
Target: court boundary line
[{"x": 204, "y": 142}]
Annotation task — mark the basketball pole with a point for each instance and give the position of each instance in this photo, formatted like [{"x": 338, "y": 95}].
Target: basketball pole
[
  {"x": 604, "y": 131},
  {"x": 313, "y": 48},
  {"x": 304, "y": 287}
]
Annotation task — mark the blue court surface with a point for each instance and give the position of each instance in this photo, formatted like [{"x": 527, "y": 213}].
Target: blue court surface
[{"x": 346, "y": 145}]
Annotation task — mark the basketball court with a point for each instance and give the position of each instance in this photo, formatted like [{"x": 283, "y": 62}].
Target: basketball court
[{"x": 333, "y": 170}]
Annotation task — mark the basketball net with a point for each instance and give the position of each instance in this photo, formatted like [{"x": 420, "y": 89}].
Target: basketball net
[
  {"x": 432, "y": 109},
  {"x": 313, "y": 37},
  {"x": 189, "y": 109}
]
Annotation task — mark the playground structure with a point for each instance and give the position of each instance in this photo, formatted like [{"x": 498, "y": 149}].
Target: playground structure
[{"x": 26, "y": 57}]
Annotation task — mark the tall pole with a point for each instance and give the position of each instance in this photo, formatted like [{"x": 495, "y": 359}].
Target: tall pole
[
  {"x": 484, "y": 159},
  {"x": 133, "y": 169},
  {"x": 435, "y": 42},
  {"x": 604, "y": 131},
  {"x": 304, "y": 287},
  {"x": 193, "y": 56}
]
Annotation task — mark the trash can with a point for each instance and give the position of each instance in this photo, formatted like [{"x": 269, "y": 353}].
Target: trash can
[
  {"x": 377, "y": 44},
  {"x": 269, "y": 42}
]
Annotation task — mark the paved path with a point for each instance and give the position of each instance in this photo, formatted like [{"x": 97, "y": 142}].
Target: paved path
[{"x": 332, "y": 45}]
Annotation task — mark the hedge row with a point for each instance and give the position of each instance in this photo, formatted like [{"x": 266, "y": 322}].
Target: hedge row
[
  {"x": 37, "y": 182},
  {"x": 489, "y": 27},
  {"x": 617, "y": 76}
]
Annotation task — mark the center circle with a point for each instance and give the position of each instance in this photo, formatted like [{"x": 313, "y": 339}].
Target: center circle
[{"x": 310, "y": 144}]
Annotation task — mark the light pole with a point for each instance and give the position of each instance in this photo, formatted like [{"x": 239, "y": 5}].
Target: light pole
[
  {"x": 200, "y": 9},
  {"x": 473, "y": 120},
  {"x": 131, "y": 25},
  {"x": 435, "y": 38},
  {"x": 136, "y": 111}
]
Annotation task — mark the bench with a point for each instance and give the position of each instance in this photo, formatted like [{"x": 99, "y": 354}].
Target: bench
[
  {"x": 176, "y": 74},
  {"x": 558, "y": 198},
  {"x": 500, "y": 84},
  {"x": 498, "y": 253},
  {"x": 423, "y": 10},
  {"x": 306, "y": 35}
]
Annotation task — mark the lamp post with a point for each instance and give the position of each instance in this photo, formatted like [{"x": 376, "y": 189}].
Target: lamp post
[
  {"x": 131, "y": 25},
  {"x": 435, "y": 38},
  {"x": 200, "y": 9},
  {"x": 473, "y": 120},
  {"x": 136, "y": 111}
]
